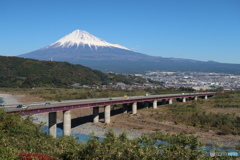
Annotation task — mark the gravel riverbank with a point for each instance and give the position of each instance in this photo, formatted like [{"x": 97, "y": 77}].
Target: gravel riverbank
[{"x": 9, "y": 99}]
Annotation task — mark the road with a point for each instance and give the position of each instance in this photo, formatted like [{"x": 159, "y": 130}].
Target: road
[{"x": 74, "y": 104}]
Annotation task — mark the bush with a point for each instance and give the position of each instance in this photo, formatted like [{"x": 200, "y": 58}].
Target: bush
[
  {"x": 226, "y": 123},
  {"x": 225, "y": 130}
]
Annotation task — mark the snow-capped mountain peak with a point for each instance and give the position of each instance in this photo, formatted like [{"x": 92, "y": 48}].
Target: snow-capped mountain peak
[{"x": 80, "y": 37}]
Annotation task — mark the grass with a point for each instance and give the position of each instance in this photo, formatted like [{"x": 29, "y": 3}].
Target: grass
[
  {"x": 199, "y": 113},
  {"x": 82, "y": 93}
]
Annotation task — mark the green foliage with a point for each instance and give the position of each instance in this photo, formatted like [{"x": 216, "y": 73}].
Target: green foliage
[
  {"x": 227, "y": 100},
  {"x": 20, "y": 72},
  {"x": 181, "y": 108},
  {"x": 182, "y": 146},
  {"x": 115, "y": 78},
  {"x": 81, "y": 93},
  {"x": 19, "y": 136},
  {"x": 190, "y": 114},
  {"x": 215, "y": 121},
  {"x": 226, "y": 106},
  {"x": 225, "y": 129},
  {"x": 230, "y": 94},
  {"x": 121, "y": 148}
]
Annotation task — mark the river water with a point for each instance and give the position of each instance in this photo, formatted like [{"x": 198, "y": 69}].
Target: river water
[
  {"x": 1, "y": 100},
  {"x": 81, "y": 137}
]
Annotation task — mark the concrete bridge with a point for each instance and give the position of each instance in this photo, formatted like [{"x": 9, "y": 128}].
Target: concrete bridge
[{"x": 66, "y": 106}]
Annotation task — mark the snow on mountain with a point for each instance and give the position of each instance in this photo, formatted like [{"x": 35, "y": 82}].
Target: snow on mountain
[
  {"x": 80, "y": 47},
  {"x": 80, "y": 37}
]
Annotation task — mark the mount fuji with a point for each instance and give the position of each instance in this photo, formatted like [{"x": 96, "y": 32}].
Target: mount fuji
[{"x": 80, "y": 47}]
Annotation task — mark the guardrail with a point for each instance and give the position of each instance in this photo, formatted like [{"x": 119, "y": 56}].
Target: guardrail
[{"x": 36, "y": 108}]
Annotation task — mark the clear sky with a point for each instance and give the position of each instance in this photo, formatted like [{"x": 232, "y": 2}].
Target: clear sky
[{"x": 193, "y": 29}]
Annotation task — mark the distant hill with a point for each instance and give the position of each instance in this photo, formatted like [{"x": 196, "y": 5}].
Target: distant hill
[
  {"x": 80, "y": 47},
  {"x": 21, "y": 72}
]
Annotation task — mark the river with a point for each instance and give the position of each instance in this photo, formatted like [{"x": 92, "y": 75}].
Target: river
[{"x": 1, "y": 100}]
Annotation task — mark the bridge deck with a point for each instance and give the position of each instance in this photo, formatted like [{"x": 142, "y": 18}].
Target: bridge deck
[{"x": 39, "y": 107}]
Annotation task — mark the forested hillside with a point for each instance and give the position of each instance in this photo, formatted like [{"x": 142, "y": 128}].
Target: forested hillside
[{"x": 20, "y": 72}]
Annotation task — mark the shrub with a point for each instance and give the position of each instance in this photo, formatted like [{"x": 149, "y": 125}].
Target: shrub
[{"x": 225, "y": 130}]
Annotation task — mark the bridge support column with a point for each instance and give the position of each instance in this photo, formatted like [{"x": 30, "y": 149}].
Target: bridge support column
[
  {"x": 184, "y": 99},
  {"x": 195, "y": 98},
  {"x": 67, "y": 123},
  {"x": 170, "y": 101},
  {"x": 125, "y": 108},
  {"x": 205, "y": 97},
  {"x": 134, "y": 108},
  {"x": 52, "y": 124},
  {"x": 107, "y": 113},
  {"x": 95, "y": 114},
  {"x": 146, "y": 104},
  {"x": 155, "y": 104}
]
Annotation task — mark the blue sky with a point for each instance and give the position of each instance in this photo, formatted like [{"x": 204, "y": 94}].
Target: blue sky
[{"x": 193, "y": 29}]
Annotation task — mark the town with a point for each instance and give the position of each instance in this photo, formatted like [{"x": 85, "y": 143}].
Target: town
[
  {"x": 195, "y": 80},
  {"x": 178, "y": 80}
]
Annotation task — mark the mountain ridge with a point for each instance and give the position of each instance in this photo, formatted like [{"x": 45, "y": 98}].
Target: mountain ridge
[{"x": 80, "y": 47}]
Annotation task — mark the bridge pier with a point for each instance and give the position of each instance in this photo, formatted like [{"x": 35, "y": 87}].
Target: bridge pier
[
  {"x": 184, "y": 99},
  {"x": 205, "y": 97},
  {"x": 134, "y": 108},
  {"x": 155, "y": 104},
  {"x": 67, "y": 123},
  {"x": 95, "y": 114},
  {"x": 52, "y": 124},
  {"x": 195, "y": 98},
  {"x": 107, "y": 112},
  {"x": 125, "y": 108},
  {"x": 170, "y": 101}
]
